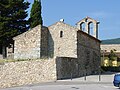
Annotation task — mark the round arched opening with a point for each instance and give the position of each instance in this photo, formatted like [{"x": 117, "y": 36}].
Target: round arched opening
[
  {"x": 82, "y": 26},
  {"x": 91, "y": 28}
]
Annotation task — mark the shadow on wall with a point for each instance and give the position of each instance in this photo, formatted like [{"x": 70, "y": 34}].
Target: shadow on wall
[
  {"x": 66, "y": 68},
  {"x": 47, "y": 44},
  {"x": 50, "y": 46}
]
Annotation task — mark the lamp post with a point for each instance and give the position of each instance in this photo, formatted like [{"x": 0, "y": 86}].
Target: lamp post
[
  {"x": 71, "y": 69},
  {"x": 85, "y": 76},
  {"x": 99, "y": 73},
  {"x": 103, "y": 54}
]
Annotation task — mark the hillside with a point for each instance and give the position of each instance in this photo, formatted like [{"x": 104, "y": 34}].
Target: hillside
[{"x": 111, "y": 41}]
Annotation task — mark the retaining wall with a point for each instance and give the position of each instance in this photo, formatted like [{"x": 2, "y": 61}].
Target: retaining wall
[{"x": 27, "y": 72}]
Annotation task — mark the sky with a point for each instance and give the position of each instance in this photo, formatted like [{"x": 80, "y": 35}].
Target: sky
[{"x": 107, "y": 12}]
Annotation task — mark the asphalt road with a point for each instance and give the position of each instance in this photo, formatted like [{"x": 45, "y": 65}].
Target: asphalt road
[
  {"x": 66, "y": 86},
  {"x": 92, "y": 83}
]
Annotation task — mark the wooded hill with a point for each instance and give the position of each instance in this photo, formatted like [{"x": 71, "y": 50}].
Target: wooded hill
[{"x": 111, "y": 41}]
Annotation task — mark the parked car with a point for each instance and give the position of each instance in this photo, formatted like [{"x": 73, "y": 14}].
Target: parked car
[{"x": 116, "y": 81}]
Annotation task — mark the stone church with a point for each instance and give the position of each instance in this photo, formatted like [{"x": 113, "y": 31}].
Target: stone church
[{"x": 75, "y": 49}]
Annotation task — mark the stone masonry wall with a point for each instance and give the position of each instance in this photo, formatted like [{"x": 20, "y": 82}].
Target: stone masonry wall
[
  {"x": 65, "y": 46},
  {"x": 88, "y": 54},
  {"x": 77, "y": 52},
  {"x": 87, "y": 61},
  {"x": 66, "y": 67},
  {"x": 27, "y": 72},
  {"x": 27, "y": 45}
]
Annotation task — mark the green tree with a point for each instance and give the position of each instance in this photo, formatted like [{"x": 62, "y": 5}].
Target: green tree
[
  {"x": 35, "y": 15},
  {"x": 112, "y": 55},
  {"x": 12, "y": 19}
]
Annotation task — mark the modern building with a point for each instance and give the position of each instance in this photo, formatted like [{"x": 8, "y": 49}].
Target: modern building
[{"x": 106, "y": 50}]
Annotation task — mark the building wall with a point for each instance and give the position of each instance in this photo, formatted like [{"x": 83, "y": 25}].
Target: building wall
[
  {"x": 67, "y": 67},
  {"x": 105, "y": 51},
  {"x": 27, "y": 45},
  {"x": 109, "y": 47},
  {"x": 87, "y": 61},
  {"x": 65, "y": 46},
  {"x": 27, "y": 72},
  {"x": 88, "y": 53}
]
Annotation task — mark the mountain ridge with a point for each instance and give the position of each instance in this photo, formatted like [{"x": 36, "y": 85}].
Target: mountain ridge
[{"x": 111, "y": 41}]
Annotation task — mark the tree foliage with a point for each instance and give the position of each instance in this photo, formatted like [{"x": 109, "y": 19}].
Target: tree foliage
[
  {"x": 12, "y": 19},
  {"x": 35, "y": 16},
  {"x": 112, "y": 55}
]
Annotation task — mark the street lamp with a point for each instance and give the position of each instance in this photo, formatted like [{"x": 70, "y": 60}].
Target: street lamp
[
  {"x": 99, "y": 73},
  {"x": 103, "y": 54}
]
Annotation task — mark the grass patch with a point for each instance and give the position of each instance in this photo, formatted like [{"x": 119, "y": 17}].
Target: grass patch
[
  {"x": 2, "y": 61},
  {"x": 7, "y": 61}
]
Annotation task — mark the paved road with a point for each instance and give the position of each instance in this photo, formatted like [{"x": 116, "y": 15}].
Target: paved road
[
  {"x": 71, "y": 86},
  {"x": 92, "y": 83}
]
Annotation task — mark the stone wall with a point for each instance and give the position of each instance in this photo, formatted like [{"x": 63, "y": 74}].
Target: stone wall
[
  {"x": 88, "y": 53},
  {"x": 64, "y": 45},
  {"x": 27, "y": 45},
  {"x": 67, "y": 67},
  {"x": 27, "y": 72},
  {"x": 87, "y": 61},
  {"x": 109, "y": 47},
  {"x": 77, "y": 52}
]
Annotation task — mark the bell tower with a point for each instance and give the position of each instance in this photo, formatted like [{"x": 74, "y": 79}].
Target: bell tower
[{"x": 89, "y": 25}]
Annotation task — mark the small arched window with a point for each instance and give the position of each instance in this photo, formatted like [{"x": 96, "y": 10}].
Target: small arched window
[{"x": 61, "y": 34}]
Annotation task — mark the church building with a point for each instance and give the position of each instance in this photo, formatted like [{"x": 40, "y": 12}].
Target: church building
[{"x": 75, "y": 49}]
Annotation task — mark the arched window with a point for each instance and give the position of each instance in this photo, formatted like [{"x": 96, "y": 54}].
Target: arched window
[
  {"x": 82, "y": 26},
  {"x": 90, "y": 28},
  {"x": 61, "y": 34}
]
